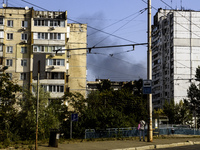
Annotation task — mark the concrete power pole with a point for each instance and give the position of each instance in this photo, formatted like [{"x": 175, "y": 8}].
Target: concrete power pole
[
  {"x": 149, "y": 74},
  {"x": 37, "y": 107}
]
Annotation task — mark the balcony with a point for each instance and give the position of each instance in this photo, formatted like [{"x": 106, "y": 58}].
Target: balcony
[
  {"x": 50, "y": 81},
  {"x": 48, "y": 42}
]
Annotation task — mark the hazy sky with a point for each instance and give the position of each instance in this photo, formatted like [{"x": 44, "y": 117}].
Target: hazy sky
[{"x": 119, "y": 22}]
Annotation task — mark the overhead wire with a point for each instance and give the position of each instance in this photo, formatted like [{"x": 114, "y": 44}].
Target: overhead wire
[
  {"x": 140, "y": 12},
  {"x": 81, "y": 23},
  {"x": 111, "y": 55},
  {"x": 91, "y": 28},
  {"x": 13, "y": 3},
  {"x": 104, "y": 32},
  {"x": 174, "y": 20},
  {"x": 117, "y": 22},
  {"x": 178, "y": 24},
  {"x": 114, "y": 70},
  {"x": 180, "y": 14}
]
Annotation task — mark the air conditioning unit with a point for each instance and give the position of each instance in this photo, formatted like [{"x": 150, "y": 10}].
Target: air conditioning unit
[
  {"x": 23, "y": 28},
  {"x": 25, "y": 41},
  {"x": 52, "y": 67},
  {"x": 52, "y": 28},
  {"x": 52, "y": 55}
]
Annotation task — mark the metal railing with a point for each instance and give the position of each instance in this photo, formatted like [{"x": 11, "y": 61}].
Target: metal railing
[{"x": 133, "y": 132}]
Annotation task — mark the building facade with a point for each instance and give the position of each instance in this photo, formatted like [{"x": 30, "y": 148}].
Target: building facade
[
  {"x": 114, "y": 85},
  {"x": 175, "y": 54},
  {"x": 28, "y": 39}
]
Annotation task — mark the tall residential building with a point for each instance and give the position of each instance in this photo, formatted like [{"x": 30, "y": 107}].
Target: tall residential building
[
  {"x": 175, "y": 54},
  {"x": 29, "y": 38}
]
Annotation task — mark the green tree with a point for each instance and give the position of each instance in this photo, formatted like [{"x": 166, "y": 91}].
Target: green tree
[
  {"x": 9, "y": 91},
  {"x": 177, "y": 113},
  {"x": 184, "y": 115},
  {"x": 193, "y": 94},
  {"x": 48, "y": 115},
  {"x": 104, "y": 85},
  {"x": 170, "y": 111}
]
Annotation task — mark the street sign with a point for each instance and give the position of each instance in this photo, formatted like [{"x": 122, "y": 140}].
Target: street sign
[
  {"x": 74, "y": 117},
  {"x": 147, "y": 87}
]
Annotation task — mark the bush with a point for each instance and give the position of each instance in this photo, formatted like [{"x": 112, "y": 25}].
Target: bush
[{"x": 6, "y": 142}]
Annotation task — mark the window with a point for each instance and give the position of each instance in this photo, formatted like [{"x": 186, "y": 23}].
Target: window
[
  {"x": 56, "y": 62},
  {"x": 51, "y": 36},
  {"x": 24, "y": 62},
  {"x": 24, "y": 36},
  {"x": 9, "y": 36},
  {"x": 51, "y": 23},
  {"x": 1, "y": 21},
  {"x": 42, "y": 36},
  {"x": 54, "y": 88},
  {"x": 23, "y": 50},
  {"x": 9, "y": 62},
  {"x": 10, "y": 23},
  {"x": 50, "y": 49},
  {"x": 25, "y": 24},
  {"x": 23, "y": 76},
  {"x": 9, "y": 49}
]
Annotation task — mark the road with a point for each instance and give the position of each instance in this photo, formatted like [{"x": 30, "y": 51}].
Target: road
[{"x": 190, "y": 147}]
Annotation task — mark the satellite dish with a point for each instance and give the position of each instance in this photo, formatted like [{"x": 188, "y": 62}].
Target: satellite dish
[
  {"x": 26, "y": 8},
  {"x": 4, "y": 5}
]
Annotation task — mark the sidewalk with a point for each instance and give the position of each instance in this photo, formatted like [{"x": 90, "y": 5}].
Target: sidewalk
[{"x": 132, "y": 144}]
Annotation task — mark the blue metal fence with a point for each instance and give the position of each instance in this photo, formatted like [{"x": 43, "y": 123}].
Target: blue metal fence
[{"x": 133, "y": 132}]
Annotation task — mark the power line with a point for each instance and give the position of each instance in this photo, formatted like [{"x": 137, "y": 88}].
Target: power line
[
  {"x": 104, "y": 32},
  {"x": 35, "y": 5},
  {"x": 81, "y": 23},
  {"x": 119, "y": 59},
  {"x": 141, "y": 12},
  {"x": 90, "y": 48},
  {"x": 175, "y": 20},
  {"x": 180, "y": 14}
]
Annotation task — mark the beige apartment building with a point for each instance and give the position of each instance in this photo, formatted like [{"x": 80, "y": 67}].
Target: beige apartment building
[{"x": 29, "y": 38}]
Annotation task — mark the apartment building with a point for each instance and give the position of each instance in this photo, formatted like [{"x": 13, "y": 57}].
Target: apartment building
[
  {"x": 28, "y": 39},
  {"x": 175, "y": 54}
]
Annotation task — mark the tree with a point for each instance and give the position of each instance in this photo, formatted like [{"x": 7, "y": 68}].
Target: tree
[
  {"x": 193, "y": 94},
  {"x": 170, "y": 111},
  {"x": 104, "y": 85},
  {"x": 49, "y": 113},
  {"x": 9, "y": 91},
  {"x": 184, "y": 115}
]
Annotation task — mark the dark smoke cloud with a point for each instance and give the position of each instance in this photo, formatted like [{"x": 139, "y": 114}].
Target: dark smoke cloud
[{"x": 105, "y": 63}]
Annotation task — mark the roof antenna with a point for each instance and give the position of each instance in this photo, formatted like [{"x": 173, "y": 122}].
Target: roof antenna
[
  {"x": 181, "y": 5},
  {"x": 171, "y": 4}
]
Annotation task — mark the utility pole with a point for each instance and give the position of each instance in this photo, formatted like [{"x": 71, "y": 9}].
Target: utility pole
[
  {"x": 37, "y": 107},
  {"x": 149, "y": 74}
]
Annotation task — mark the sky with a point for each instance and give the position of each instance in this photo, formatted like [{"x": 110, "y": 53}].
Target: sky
[{"x": 110, "y": 23}]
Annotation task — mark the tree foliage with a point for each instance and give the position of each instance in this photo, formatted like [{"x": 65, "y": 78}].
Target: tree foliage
[
  {"x": 177, "y": 113},
  {"x": 9, "y": 90},
  {"x": 193, "y": 94},
  {"x": 106, "y": 108},
  {"x": 49, "y": 115},
  {"x": 102, "y": 109}
]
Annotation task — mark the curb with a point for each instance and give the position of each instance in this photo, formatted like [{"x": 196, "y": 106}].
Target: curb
[{"x": 161, "y": 146}]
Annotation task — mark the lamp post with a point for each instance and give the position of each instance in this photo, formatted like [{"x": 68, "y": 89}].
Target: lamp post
[{"x": 149, "y": 74}]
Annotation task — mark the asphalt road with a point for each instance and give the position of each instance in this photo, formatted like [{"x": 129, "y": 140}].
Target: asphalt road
[{"x": 190, "y": 147}]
